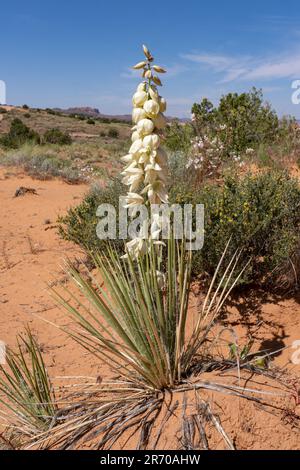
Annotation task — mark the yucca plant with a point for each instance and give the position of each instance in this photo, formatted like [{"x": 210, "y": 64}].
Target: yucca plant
[
  {"x": 136, "y": 321},
  {"x": 26, "y": 390},
  {"x": 135, "y": 317}
]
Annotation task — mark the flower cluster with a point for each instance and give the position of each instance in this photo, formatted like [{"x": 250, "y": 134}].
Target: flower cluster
[
  {"x": 206, "y": 155},
  {"x": 208, "y": 151},
  {"x": 146, "y": 163}
]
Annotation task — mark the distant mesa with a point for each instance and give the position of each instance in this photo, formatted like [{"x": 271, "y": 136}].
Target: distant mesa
[
  {"x": 87, "y": 111},
  {"x": 93, "y": 112}
]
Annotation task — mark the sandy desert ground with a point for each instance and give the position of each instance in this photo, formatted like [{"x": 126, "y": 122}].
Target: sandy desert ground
[{"x": 31, "y": 255}]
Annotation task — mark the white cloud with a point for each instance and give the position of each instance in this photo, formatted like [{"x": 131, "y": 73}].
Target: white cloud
[
  {"x": 288, "y": 67},
  {"x": 217, "y": 62},
  {"x": 250, "y": 68}
]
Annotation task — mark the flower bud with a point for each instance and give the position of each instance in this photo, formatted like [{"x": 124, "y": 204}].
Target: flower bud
[
  {"x": 140, "y": 65},
  {"x": 148, "y": 74},
  {"x": 159, "y": 69},
  {"x": 152, "y": 108},
  {"x": 145, "y": 127},
  {"x": 147, "y": 52},
  {"x": 139, "y": 98},
  {"x": 156, "y": 80},
  {"x": 162, "y": 105}
]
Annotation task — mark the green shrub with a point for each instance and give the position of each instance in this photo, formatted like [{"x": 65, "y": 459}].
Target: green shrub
[
  {"x": 3, "y": 110},
  {"x": 56, "y": 136},
  {"x": 178, "y": 136},
  {"x": 90, "y": 121},
  {"x": 250, "y": 120},
  {"x": 25, "y": 106},
  {"x": 27, "y": 115},
  {"x": 50, "y": 111},
  {"x": 79, "y": 225},
  {"x": 18, "y": 135},
  {"x": 113, "y": 133},
  {"x": 259, "y": 213}
]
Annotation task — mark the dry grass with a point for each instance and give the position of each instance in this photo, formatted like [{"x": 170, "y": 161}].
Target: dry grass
[{"x": 93, "y": 152}]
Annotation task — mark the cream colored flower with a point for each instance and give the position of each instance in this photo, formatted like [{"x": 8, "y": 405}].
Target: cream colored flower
[
  {"x": 145, "y": 155},
  {"x": 152, "y": 108},
  {"x": 141, "y": 86},
  {"x": 136, "y": 146},
  {"x": 145, "y": 127},
  {"x": 139, "y": 99},
  {"x": 138, "y": 114},
  {"x": 153, "y": 93},
  {"x": 134, "y": 177},
  {"x": 135, "y": 136},
  {"x": 156, "y": 192},
  {"x": 133, "y": 199},
  {"x": 127, "y": 158},
  {"x": 136, "y": 247},
  {"x": 152, "y": 141}
]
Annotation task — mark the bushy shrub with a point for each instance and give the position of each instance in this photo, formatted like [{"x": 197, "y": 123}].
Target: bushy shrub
[
  {"x": 18, "y": 135},
  {"x": 56, "y": 136},
  {"x": 90, "y": 121},
  {"x": 25, "y": 106},
  {"x": 178, "y": 136},
  {"x": 3, "y": 110},
  {"x": 51, "y": 111},
  {"x": 259, "y": 213},
  {"x": 79, "y": 225},
  {"x": 113, "y": 133},
  {"x": 250, "y": 120}
]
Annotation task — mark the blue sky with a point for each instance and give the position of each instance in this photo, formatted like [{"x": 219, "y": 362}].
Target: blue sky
[{"x": 78, "y": 53}]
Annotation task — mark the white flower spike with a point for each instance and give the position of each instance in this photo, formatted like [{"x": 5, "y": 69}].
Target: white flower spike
[{"x": 146, "y": 163}]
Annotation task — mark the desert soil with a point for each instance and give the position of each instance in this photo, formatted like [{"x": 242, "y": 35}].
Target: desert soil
[{"x": 32, "y": 254}]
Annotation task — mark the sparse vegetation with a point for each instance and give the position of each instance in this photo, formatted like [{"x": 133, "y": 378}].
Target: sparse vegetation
[
  {"x": 18, "y": 135},
  {"x": 26, "y": 391},
  {"x": 56, "y": 136},
  {"x": 113, "y": 133}
]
